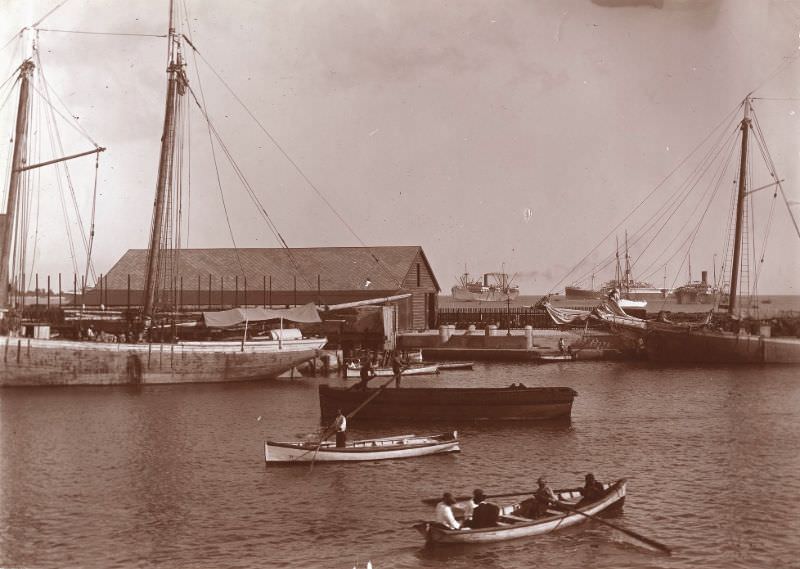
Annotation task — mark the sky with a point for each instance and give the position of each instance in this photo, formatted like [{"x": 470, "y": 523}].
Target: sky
[{"x": 512, "y": 135}]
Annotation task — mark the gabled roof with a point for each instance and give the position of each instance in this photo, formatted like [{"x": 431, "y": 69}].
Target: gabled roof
[{"x": 339, "y": 268}]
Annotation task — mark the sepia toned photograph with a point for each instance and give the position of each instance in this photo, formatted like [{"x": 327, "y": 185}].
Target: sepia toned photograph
[{"x": 399, "y": 284}]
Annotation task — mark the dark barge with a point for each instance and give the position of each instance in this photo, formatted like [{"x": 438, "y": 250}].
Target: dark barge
[{"x": 458, "y": 404}]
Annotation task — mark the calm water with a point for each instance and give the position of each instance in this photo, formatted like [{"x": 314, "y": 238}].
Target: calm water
[{"x": 173, "y": 476}]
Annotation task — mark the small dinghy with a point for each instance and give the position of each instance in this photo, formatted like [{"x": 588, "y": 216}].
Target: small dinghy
[
  {"x": 427, "y": 369},
  {"x": 511, "y": 526},
  {"x": 444, "y": 366},
  {"x": 559, "y": 357},
  {"x": 403, "y": 446}
]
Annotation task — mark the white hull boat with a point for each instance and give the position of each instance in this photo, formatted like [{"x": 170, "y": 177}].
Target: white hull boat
[
  {"x": 403, "y": 446},
  {"x": 429, "y": 369},
  {"x": 514, "y": 527}
]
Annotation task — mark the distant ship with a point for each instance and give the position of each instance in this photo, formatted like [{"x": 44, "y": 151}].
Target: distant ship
[
  {"x": 495, "y": 287},
  {"x": 579, "y": 292},
  {"x": 694, "y": 292},
  {"x": 622, "y": 286}
]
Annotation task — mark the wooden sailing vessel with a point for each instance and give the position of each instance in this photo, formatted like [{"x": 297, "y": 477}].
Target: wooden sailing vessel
[
  {"x": 384, "y": 448},
  {"x": 42, "y": 361},
  {"x": 511, "y": 526},
  {"x": 732, "y": 338}
]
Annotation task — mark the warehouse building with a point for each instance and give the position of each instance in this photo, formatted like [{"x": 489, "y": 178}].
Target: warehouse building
[{"x": 218, "y": 279}]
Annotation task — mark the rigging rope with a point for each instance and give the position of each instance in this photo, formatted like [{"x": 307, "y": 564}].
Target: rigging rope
[
  {"x": 725, "y": 120},
  {"x": 297, "y": 168},
  {"x": 101, "y": 33},
  {"x": 216, "y": 168},
  {"x": 56, "y": 138}
]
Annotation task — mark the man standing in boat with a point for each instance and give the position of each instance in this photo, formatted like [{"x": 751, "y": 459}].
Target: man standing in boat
[
  {"x": 367, "y": 373},
  {"x": 340, "y": 425}
]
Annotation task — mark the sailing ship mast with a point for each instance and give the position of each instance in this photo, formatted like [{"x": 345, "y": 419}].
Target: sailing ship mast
[
  {"x": 176, "y": 81},
  {"x": 19, "y": 159},
  {"x": 737, "y": 244},
  {"x": 19, "y": 165}
]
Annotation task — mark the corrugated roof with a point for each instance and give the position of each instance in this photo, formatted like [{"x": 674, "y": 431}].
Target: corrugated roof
[{"x": 339, "y": 268}]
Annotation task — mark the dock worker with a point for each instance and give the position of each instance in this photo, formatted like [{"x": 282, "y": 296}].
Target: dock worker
[
  {"x": 444, "y": 512},
  {"x": 562, "y": 345},
  {"x": 397, "y": 368},
  {"x": 340, "y": 426}
]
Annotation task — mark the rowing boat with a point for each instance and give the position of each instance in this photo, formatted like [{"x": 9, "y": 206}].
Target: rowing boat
[
  {"x": 403, "y": 446},
  {"x": 428, "y": 369},
  {"x": 511, "y": 526},
  {"x": 446, "y": 366},
  {"x": 556, "y": 357}
]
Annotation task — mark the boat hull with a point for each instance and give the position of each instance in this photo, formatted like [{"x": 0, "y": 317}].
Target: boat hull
[
  {"x": 515, "y": 528},
  {"x": 387, "y": 371},
  {"x": 572, "y": 292},
  {"x": 705, "y": 346},
  {"x": 458, "y": 404},
  {"x": 32, "y": 362},
  {"x": 407, "y": 446}
]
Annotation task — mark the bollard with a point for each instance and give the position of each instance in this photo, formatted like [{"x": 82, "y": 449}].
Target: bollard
[
  {"x": 444, "y": 333},
  {"x": 529, "y": 337},
  {"x": 491, "y": 330}
]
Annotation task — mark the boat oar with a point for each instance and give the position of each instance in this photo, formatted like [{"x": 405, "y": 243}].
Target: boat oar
[
  {"x": 651, "y": 542},
  {"x": 348, "y": 416},
  {"x": 434, "y": 501}
]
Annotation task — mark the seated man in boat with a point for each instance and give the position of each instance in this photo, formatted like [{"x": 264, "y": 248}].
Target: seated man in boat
[
  {"x": 591, "y": 491},
  {"x": 444, "y": 512},
  {"x": 536, "y": 507},
  {"x": 484, "y": 514}
]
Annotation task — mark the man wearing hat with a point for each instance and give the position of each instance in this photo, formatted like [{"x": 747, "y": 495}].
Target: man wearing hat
[
  {"x": 536, "y": 506},
  {"x": 485, "y": 514},
  {"x": 591, "y": 490}
]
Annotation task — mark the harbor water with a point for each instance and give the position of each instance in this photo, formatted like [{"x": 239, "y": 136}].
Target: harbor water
[{"x": 174, "y": 475}]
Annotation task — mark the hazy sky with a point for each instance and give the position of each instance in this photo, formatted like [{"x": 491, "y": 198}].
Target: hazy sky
[{"x": 516, "y": 132}]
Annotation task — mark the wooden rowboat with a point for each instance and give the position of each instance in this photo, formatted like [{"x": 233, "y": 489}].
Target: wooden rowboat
[
  {"x": 403, "y": 446},
  {"x": 514, "y": 527},
  {"x": 544, "y": 358},
  {"x": 428, "y": 369},
  {"x": 455, "y": 365}
]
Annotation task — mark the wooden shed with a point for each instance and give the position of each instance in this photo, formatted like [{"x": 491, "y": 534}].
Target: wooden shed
[{"x": 212, "y": 279}]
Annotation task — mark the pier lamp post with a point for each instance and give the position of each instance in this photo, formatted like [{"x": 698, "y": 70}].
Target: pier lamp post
[{"x": 508, "y": 315}]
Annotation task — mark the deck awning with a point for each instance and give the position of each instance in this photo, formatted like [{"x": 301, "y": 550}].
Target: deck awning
[{"x": 306, "y": 313}]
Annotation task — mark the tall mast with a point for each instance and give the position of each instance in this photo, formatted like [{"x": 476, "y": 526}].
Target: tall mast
[
  {"x": 19, "y": 159},
  {"x": 737, "y": 243},
  {"x": 627, "y": 263},
  {"x": 174, "y": 75}
]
